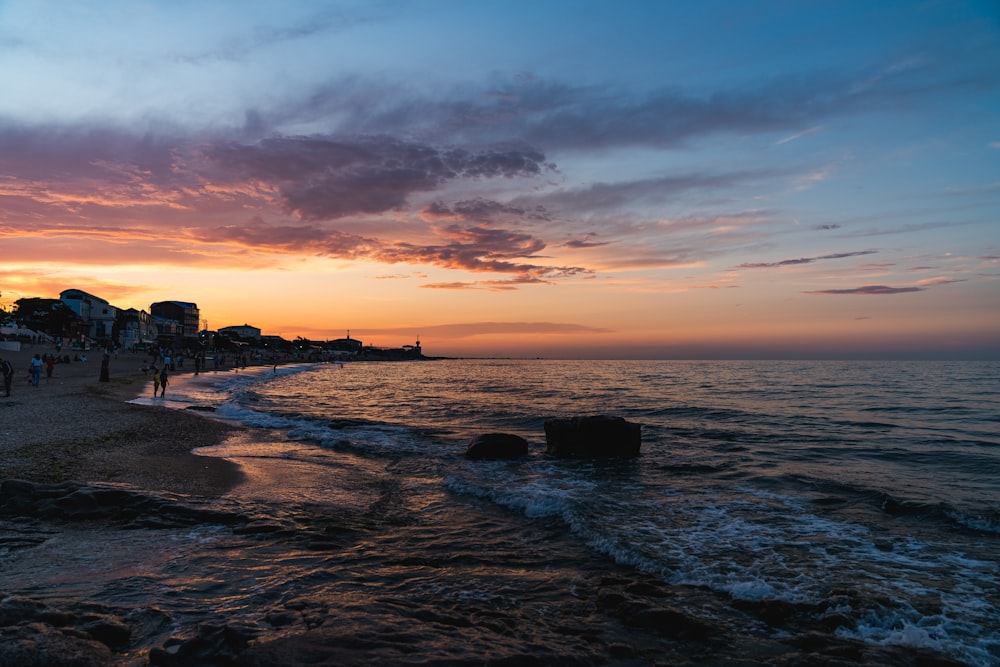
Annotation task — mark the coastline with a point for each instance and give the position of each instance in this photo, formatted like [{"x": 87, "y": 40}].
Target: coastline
[
  {"x": 363, "y": 567},
  {"x": 75, "y": 428}
]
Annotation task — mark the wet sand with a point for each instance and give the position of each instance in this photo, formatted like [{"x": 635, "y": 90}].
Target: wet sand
[{"x": 75, "y": 428}]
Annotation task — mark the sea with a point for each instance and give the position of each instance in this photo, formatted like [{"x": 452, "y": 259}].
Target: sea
[{"x": 863, "y": 492}]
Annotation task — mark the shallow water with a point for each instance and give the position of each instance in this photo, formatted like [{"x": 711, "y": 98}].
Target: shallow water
[{"x": 869, "y": 490}]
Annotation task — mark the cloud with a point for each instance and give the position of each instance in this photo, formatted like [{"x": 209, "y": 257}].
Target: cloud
[
  {"x": 869, "y": 289},
  {"x": 478, "y": 248},
  {"x": 290, "y": 238},
  {"x": 481, "y": 210},
  {"x": 469, "y": 329},
  {"x": 562, "y": 117},
  {"x": 941, "y": 280},
  {"x": 799, "y": 135},
  {"x": 604, "y": 196},
  {"x": 803, "y": 260},
  {"x": 457, "y": 285},
  {"x": 586, "y": 242},
  {"x": 327, "y": 177}
]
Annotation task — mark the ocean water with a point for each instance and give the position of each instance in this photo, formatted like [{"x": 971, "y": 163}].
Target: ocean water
[{"x": 866, "y": 490}]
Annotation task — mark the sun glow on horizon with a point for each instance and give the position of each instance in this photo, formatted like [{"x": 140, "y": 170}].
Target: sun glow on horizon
[{"x": 525, "y": 197}]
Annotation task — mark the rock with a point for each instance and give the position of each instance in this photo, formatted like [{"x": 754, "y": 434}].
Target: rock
[
  {"x": 41, "y": 645},
  {"x": 494, "y": 446},
  {"x": 597, "y": 436},
  {"x": 213, "y": 644},
  {"x": 110, "y": 631}
]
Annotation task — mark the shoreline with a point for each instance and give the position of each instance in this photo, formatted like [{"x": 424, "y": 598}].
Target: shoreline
[
  {"x": 365, "y": 572},
  {"x": 75, "y": 428}
]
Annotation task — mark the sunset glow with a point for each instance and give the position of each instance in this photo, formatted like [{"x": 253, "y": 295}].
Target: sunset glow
[{"x": 557, "y": 179}]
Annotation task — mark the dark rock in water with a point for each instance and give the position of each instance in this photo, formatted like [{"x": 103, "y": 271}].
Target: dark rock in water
[
  {"x": 597, "y": 436},
  {"x": 32, "y": 633},
  {"x": 39, "y": 644},
  {"x": 494, "y": 446},
  {"x": 106, "y": 629},
  {"x": 213, "y": 644}
]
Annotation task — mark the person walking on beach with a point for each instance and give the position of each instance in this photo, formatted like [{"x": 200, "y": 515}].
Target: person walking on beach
[
  {"x": 105, "y": 368},
  {"x": 36, "y": 370},
  {"x": 156, "y": 381},
  {"x": 8, "y": 375},
  {"x": 163, "y": 382}
]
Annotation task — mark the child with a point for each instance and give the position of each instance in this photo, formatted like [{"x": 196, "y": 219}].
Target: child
[{"x": 156, "y": 381}]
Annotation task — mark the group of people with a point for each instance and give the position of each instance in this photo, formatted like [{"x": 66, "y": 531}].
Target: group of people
[
  {"x": 34, "y": 371},
  {"x": 35, "y": 366},
  {"x": 160, "y": 380}
]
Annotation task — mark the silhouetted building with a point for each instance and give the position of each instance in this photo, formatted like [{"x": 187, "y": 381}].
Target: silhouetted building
[
  {"x": 184, "y": 313},
  {"x": 136, "y": 328},
  {"x": 242, "y": 331},
  {"x": 345, "y": 345}
]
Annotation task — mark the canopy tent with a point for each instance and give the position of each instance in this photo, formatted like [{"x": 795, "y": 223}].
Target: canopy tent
[{"x": 20, "y": 331}]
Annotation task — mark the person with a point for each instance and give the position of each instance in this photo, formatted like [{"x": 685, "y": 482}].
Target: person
[
  {"x": 156, "y": 381},
  {"x": 50, "y": 365},
  {"x": 105, "y": 370},
  {"x": 36, "y": 370},
  {"x": 8, "y": 375},
  {"x": 163, "y": 382}
]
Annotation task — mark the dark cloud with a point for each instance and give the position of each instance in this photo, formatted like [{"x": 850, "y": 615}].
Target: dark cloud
[
  {"x": 300, "y": 238},
  {"x": 559, "y": 116},
  {"x": 586, "y": 242},
  {"x": 629, "y": 194},
  {"x": 869, "y": 289},
  {"x": 803, "y": 260},
  {"x": 827, "y": 227},
  {"x": 55, "y": 153},
  {"x": 326, "y": 178},
  {"x": 479, "y": 249},
  {"x": 483, "y": 210}
]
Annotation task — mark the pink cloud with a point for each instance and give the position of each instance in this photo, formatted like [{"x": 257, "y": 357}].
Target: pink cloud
[{"x": 869, "y": 289}]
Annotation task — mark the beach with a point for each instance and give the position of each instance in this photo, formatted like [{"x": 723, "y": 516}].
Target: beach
[
  {"x": 74, "y": 427},
  {"x": 779, "y": 514}
]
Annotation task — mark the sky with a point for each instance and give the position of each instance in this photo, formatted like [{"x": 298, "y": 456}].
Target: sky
[{"x": 553, "y": 178}]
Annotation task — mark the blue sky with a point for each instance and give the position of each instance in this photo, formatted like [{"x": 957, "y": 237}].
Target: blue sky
[{"x": 656, "y": 179}]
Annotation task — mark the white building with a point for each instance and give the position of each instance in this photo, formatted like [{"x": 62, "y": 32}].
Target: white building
[{"x": 97, "y": 314}]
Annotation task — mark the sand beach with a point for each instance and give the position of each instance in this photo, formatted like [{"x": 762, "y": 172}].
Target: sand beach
[{"x": 75, "y": 428}]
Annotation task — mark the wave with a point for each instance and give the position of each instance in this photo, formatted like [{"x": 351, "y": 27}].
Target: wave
[
  {"x": 362, "y": 436},
  {"x": 834, "y": 495}
]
